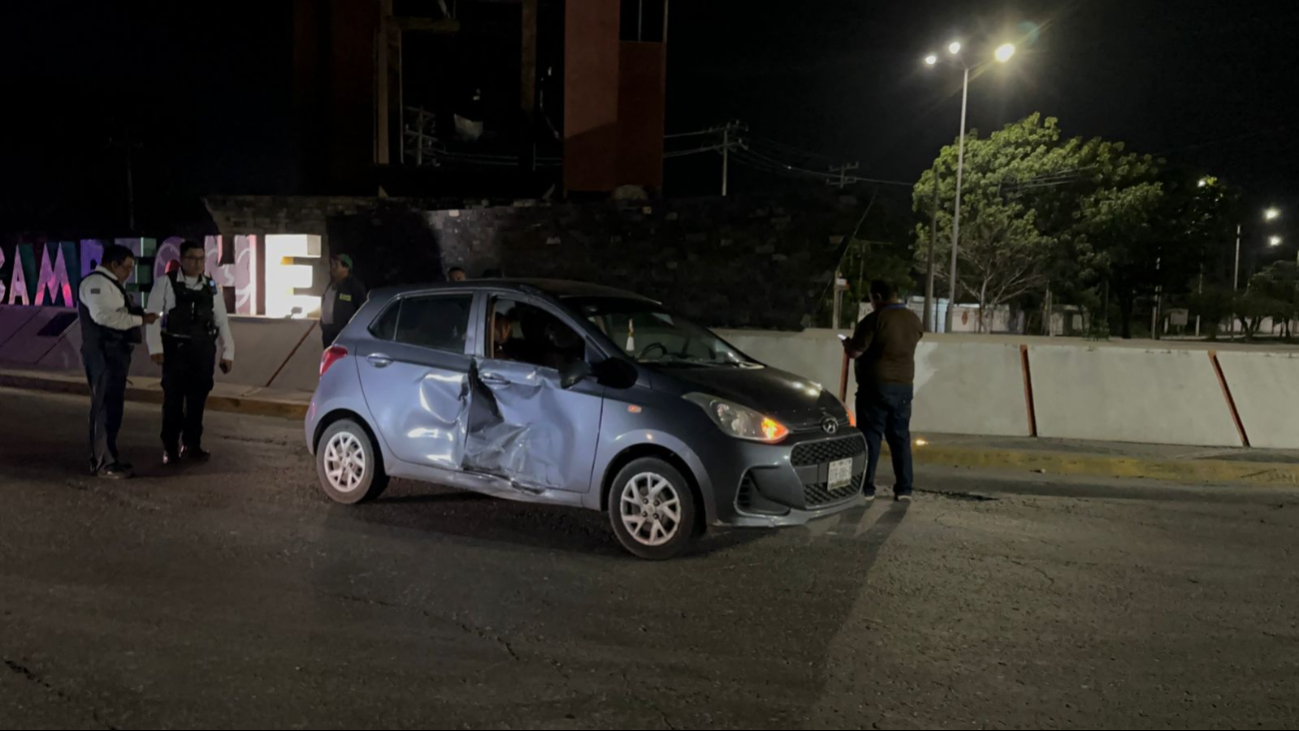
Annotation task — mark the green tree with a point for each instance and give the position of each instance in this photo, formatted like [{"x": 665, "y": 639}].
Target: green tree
[
  {"x": 1214, "y": 305},
  {"x": 1274, "y": 293},
  {"x": 1002, "y": 250},
  {"x": 1084, "y": 217}
]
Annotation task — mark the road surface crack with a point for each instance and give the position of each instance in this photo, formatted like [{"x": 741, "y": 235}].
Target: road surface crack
[
  {"x": 1044, "y": 574},
  {"x": 489, "y": 637},
  {"x": 32, "y": 677}
]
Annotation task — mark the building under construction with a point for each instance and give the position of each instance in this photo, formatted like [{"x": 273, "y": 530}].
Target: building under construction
[{"x": 514, "y": 98}]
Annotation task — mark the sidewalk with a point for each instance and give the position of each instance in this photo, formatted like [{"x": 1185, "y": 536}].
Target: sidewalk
[
  {"x": 1191, "y": 465},
  {"x": 225, "y": 396},
  {"x": 1188, "y": 465}
]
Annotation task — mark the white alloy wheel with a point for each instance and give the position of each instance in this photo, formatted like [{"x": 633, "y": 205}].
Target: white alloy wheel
[
  {"x": 651, "y": 509},
  {"x": 344, "y": 462},
  {"x": 348, "y": 463}
]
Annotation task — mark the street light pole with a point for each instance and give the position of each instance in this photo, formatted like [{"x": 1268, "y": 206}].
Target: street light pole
[
  {"x": 1235, "y": 287},
  {"x": 931, "y": 318},
  {"x": 950, "y": 320}
]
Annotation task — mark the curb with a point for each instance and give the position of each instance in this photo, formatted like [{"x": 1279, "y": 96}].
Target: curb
[
  {"x": 1093, "y": 465},
  {"x": 232, "y": 404}
]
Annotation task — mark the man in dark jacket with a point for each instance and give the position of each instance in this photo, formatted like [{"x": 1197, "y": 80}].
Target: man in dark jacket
[
  {"x": 342, "y": 299},
  {"x": 884, "y": 346}
]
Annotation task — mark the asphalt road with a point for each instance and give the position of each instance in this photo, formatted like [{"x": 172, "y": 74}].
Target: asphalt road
[{"x": 234, "y": 595}]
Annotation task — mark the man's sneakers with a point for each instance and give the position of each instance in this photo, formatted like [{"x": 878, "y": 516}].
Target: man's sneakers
[
  {"x": 903, "y": 497},
  {"x": 185, "y": 454},
  {"x": 116, "y": 471}
]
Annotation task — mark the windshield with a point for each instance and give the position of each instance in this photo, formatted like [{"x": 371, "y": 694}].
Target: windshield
[{"x": 651, "y": 335}]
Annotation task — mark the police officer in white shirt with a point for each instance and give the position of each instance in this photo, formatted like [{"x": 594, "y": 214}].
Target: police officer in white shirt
[
  {"x": 184, "y": 343},
  {"x": 110, "y": 328}
]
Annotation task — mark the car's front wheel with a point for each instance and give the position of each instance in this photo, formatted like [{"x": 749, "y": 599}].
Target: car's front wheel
[
  {"x": 652, "y": 509},
  {"x": 348, "y": 464}
]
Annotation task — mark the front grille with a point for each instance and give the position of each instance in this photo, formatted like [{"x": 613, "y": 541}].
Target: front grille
[
  {"x": 818, "y": 494},
  {"x": 823, "y": 452},
  {"x": 827, "y": 450}
]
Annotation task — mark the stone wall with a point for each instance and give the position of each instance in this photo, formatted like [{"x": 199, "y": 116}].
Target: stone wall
[{"x": 734, "y": 262}]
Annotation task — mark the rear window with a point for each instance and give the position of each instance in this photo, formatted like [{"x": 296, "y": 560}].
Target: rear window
[
  {"x": 438, "y": 322},
  {"x": 385, "y": 328}
]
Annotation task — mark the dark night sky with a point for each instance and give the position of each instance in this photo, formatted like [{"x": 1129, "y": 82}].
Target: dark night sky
[{"x": 1209, "y": 83}]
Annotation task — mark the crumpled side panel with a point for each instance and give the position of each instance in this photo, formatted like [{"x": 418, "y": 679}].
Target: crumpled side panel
[
  {"x": 433, "y": 433},
  {"x": 509, "y": 433}
]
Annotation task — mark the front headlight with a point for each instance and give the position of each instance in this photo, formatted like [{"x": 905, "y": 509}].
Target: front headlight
[{"x": 740, "y": 421}]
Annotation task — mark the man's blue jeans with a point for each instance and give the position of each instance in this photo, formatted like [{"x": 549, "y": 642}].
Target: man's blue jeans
[{"x": 884, "y": 413}]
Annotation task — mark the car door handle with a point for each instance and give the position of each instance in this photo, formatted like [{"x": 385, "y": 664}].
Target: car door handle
[
  {"x": 379, "y": 360},
  {"x": 493, "y": 379}
]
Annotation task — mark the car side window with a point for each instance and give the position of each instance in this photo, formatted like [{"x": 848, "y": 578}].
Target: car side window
[
  {"x": 385, "y": 328},
  {"x": 526, "y": 333},
  {"x": 438, "y": 322}
]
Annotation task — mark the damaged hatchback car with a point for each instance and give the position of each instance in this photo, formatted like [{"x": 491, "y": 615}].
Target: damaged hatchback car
[{"x": 579, "y": 395}]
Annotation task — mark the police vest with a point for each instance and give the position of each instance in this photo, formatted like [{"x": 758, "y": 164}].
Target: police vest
[
  {"x": 98, "y": 337},
  {"x": 193, "y": 316}
]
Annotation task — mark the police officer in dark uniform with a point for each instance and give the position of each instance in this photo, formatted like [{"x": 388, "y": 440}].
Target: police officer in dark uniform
[
  {"x": 110, "y": 328},
  {"x": 343, "y": 297},
  {"x": 194, "y": 316}
]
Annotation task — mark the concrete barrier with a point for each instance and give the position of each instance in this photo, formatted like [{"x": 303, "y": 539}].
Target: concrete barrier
[
  {"x": 301, "y": 372},
  {"x": 970, "y": 388},
  {"x": 815, "y": 355},
  {"x": 1265, "y": 387},
  {"x": 964, "y": 384},
  {"x": 262, "y": 346},
  {"x": 962, "y": 387},
  {"x": 12, "y": 320},
  {"x": 1126, "y": 395},
  {"x": 38, "y": 335}
]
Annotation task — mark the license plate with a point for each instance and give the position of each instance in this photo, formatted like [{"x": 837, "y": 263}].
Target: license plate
[{"x": 840, "y": 474}]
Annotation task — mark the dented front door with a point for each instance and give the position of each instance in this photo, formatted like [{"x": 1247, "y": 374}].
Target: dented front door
[{"x": 525, "y": 428}]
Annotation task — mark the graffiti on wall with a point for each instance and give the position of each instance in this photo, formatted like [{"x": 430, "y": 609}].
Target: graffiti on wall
[{"x": 49, "y": 274}]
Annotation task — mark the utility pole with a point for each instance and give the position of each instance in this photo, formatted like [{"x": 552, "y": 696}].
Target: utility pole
[
  {"x": 128, "y": 147},
  {"x": 843, "y": 171},
  {"x": 931, "y": 315},
  {"x": 726, "y": 157},
  {"x": 956, "y": 214}
]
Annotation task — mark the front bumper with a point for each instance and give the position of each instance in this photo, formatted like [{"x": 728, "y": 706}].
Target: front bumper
[{"x": 758, "y": 485}]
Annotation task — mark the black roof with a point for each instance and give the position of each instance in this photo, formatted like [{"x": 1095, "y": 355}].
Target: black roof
[{"x": 558, "y": 288}]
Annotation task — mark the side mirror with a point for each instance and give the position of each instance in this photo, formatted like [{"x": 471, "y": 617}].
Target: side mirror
[
  {"x": 574, "y": 373},
  {"x": 616, "y": 373}
]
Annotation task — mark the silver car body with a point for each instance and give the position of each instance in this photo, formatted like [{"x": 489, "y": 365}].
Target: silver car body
[{"x": 512, "y": 430}]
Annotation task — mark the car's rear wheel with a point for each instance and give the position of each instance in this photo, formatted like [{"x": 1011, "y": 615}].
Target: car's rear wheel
[
  {"x": 348, "y": 464},
  {"x": 652, "y": 509}
]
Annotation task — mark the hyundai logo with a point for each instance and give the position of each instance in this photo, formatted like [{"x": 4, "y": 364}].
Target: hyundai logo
[{"x": 830, "y": 425}]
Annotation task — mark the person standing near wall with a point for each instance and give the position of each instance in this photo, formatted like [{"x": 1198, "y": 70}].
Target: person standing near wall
[
  {"x": 343, "y": 297},
  {"x": 193, "y": 313},
  {"x": 884, "y": 346},
  {"x": 110, "y": 328},
  {"x": 456, "y": 274}
]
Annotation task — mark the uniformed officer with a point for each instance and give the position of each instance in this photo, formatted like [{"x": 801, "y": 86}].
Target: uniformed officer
[
  {"x": 110, "y": 328},
  {"x": 184, "y": 343},
  {"x": 343, "y": 297}
]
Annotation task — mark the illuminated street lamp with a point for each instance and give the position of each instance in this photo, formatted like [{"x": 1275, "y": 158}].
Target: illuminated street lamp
[
  {"x": 1271, "y": 214},
  {"x": 1274, "y": 241},
  {"x": 1002, "y": 55}
]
